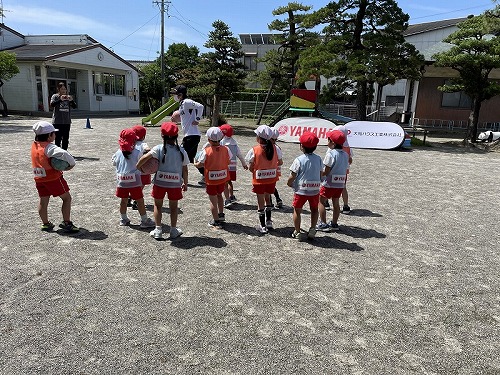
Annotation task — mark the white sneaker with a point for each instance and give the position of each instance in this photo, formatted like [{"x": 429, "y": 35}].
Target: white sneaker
[
  {"x": 261, "y": 229},
  {"x": 156, "y": 233},
  {"x": 269, "y": 224},
  {"x": 124, "y": 222},
  {"x": 148, "y": 223},
  {"x": 175, "y": 232}
]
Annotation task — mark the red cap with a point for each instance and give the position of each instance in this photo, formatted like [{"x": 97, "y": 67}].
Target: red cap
[
  {"x": 127, "y": 140},
  {"x": 169, "y": 129},
  {"x": 227, "y": 130},
  {"x": 336, "y": 136},
  {"x": 140, "y": 131},
  {"x": 308, "y": 139}
]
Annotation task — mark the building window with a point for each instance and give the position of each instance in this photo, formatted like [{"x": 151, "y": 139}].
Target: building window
[
  {"x": 456, "y": 99},
  {"x": 250, "y": 62},
  {"x": 108, "y": 84}
]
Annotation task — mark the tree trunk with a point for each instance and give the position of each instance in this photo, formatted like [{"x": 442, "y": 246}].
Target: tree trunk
[
  {"x": 216, "y": 110},
  {"x": 5, "y": 112},
  {"x": 317, "y": 88},
  {"x": 361, "y": 100},
  {"x": 264, "y": 105},
  {"x": 473, "y": 120},
  {"x": 378, "y": 102}
]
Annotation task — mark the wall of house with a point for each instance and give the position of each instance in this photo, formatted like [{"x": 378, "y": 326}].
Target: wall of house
[
  {"x": 20, "y": 92},
  {"x": 9, "y": 39},
  {"x": 429, "y": 105},
  {"x": 423, "y": 41}
]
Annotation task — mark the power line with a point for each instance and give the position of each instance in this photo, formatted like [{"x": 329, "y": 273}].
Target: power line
[
  {"x": 454, "y": 11},
  {"x": 187, "y": 22},
  {"x": 133, "y": 32}
]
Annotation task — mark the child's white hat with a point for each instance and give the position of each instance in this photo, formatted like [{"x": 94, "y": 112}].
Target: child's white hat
[
  {"x": 215, "y": 134},
  {"x": 43, "y": 127},
  {"x": 264, "y": 131},
  {"x": 276, "y": 133}
]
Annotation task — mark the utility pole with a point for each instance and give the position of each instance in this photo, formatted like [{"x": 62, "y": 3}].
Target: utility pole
[{"x": 162, "y": 56}]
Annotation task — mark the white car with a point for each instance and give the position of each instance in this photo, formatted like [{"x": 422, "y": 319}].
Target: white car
[{"x": 488, "y": 136}]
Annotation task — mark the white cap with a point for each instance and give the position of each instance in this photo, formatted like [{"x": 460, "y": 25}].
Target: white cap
[
  {"x": 215, "y": 134},
  {"x": 276, "y": 133},
  {"x": 264, "y": 131},
  {"x": 43, "y": 127}
]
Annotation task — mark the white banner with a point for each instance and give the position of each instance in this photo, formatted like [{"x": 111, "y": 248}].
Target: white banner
[
  {"x": 292, "y": 128},
  {"x": 370, "y": 134},
  {"x": 361, "y": 134}
]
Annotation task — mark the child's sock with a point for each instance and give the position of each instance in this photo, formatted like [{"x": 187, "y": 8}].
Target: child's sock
[
  {"x": 144, "y": 217},
  {"x": 124, "y": 216},
  {"x": 262, "y": 218},
  {"x": 269, "y": 209}
]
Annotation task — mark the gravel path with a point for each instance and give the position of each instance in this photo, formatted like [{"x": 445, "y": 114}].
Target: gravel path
[{"x": 410, "y": 285}]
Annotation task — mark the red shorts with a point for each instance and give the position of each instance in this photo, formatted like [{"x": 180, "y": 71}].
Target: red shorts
[
  {"x": 173, "y": 194},
  {"x": 215, "y": 189},
  {"x": 300, "y": 200},
  {"x": 328, "y": 193},
  {"x": 264, "y": 188},
  {"x": 146, "y": 179},
  {"x": 232, "y": 175},
  {"x": 134, "y": 193},
  {"x": 55, "y": 188}
]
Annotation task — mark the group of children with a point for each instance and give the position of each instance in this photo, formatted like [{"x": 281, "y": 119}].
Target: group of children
[{"x": 313, "y": 180}]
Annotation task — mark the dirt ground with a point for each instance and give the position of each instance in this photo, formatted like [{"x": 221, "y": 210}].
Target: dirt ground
[{"x": 410, "y": 284}]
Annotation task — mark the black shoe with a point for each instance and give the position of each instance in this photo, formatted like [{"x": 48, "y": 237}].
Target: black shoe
[
  {"x": 222, "y": 217},
  {"x": 129, "y": 203},
  {"x": 134, "y": 206},
  {"x": 346, "y": 210},
  {"x": 68, "y": 226},
  {"x": 215, "y": 224}
]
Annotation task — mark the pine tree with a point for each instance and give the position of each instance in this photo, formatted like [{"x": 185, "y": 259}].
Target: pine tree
[
  {"x": 221, "y": 70},
  {"x": 475, "y": 52},
  {"x": 362, "y": 43}
]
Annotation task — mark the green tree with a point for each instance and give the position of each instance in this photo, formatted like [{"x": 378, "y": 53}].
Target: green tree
[
  {"x": 151, "y": 88},
  {"x": 294, "y": 36},
  {"x": 362, "y": 42},
  {"x": 8, "y": 69},
  {"x": 475, "y": 52},
  {"x": 178, "y": 57},
  {"x": 221, "y": 70}
]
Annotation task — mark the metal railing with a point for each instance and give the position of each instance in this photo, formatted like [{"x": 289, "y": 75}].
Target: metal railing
[
  {"x": 452, "y": 124},
  {"x": 249, "y": 109}
]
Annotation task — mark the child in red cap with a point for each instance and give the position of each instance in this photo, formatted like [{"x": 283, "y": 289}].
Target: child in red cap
[
  {"x": 305, "y": 179},
  {"x": 128, "y": 178},
  {"x": 231, "y": 143},
  {"x": 336, "y": 162},
  {"x": 171, "y": 179},
  {"x": 142, "y": 146}
]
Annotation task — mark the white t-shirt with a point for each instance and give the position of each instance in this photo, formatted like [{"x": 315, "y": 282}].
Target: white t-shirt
[{"x": 190, "y": 111}]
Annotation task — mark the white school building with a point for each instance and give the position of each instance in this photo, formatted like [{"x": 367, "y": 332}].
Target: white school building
[{"x": 98, "y": 79}]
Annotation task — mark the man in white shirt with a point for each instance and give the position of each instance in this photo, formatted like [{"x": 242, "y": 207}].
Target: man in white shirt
[{"x": 190, "y": 114}]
